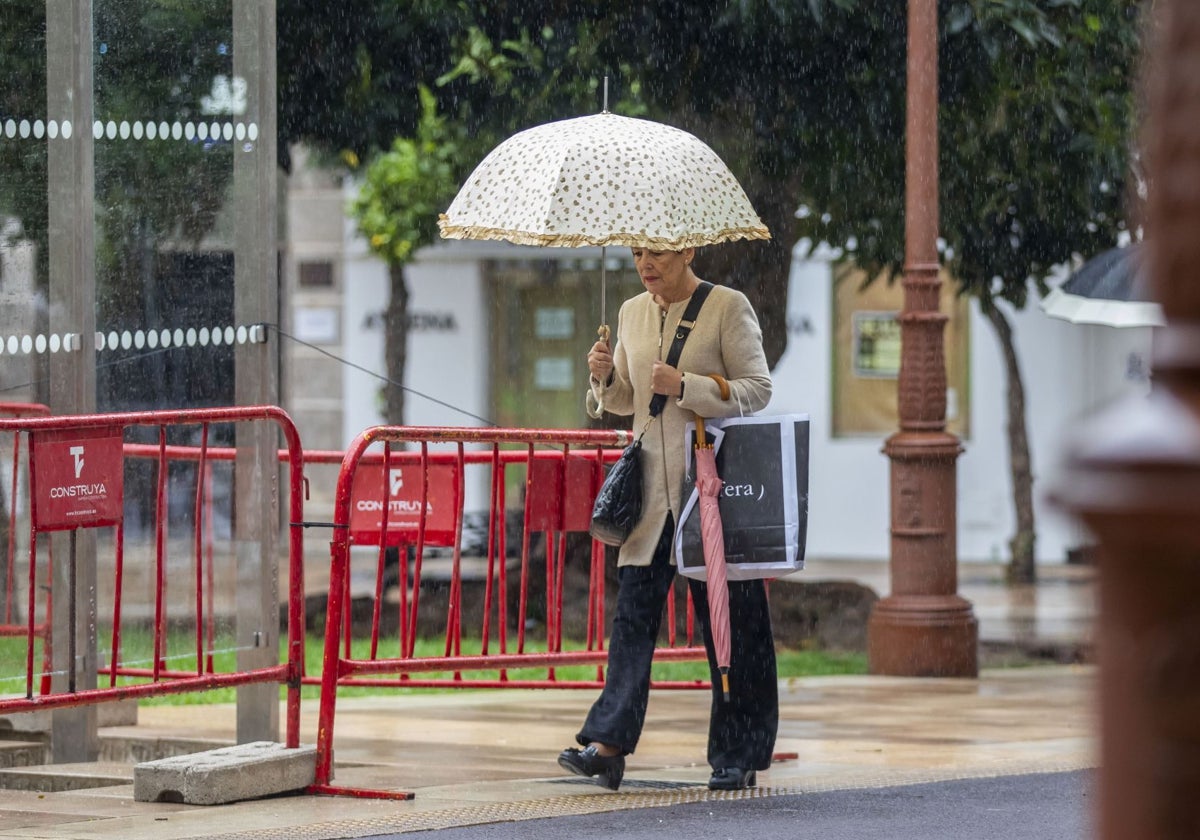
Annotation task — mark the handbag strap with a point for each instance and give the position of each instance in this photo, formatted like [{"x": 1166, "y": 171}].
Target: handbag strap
[{"x": 659, "y": 401}]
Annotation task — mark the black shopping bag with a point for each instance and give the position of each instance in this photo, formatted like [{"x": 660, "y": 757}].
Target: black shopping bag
[{"x": 763, "y": 462}]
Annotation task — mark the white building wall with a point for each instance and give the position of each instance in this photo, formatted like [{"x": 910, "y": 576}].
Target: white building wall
[
  {"x": 366, "y": 294},
  {"x": 1069, "y": 370},
  {"x": 446, "y": 370}
]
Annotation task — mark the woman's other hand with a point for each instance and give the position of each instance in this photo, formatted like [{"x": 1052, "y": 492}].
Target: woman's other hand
[
  {"x": 600, "y": 362},
  {"x": 665, "y": 379}
]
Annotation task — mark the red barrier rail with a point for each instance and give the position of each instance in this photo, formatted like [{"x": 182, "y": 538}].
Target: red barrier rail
[
  {"x": 71, "y": 504},
  {"x": 8, "y": 625},
  {"x": 414, "y": 499}
]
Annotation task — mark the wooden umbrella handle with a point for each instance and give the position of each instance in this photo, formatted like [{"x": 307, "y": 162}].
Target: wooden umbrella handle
[
  {"x": 701, "y": 435},
  {"x": 722, "y": 383}
]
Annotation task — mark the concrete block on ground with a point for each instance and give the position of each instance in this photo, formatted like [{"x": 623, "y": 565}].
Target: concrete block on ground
[{"x": 228, "y": 774}]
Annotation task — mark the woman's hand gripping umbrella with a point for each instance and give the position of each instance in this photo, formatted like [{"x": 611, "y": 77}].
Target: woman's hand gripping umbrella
[{"x": 712, "y": 535}]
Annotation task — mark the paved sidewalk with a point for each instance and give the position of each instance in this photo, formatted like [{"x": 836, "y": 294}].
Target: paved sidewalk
[
  {"x": 484, "y": 757},
  {"x": 481, "y": 757}
]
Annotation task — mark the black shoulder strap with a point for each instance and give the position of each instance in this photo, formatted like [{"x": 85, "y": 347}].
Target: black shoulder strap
[{"x": 658, "y": 401}]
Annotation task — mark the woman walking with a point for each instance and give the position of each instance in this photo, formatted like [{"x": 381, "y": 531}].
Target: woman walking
[{"x": 725, "y": 340}]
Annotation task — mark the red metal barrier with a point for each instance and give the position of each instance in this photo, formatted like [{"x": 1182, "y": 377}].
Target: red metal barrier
[
  {"x": 8, "y": 625},
  {"x": 61, "y": 498},
  {"x": 424, "y": 493}
]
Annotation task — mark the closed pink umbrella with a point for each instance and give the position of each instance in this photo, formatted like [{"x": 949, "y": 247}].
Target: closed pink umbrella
[{"x": 712, "y": 535}]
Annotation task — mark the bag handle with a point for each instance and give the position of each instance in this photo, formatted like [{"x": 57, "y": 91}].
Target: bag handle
[{"x": 659, "y": 401}]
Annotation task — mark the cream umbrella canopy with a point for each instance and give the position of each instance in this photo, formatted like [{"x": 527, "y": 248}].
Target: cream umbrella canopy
[{"x": 603, "y": 180}]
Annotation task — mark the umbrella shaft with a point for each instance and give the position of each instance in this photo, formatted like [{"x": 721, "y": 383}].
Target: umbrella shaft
[{"x": 603, "y": 261}]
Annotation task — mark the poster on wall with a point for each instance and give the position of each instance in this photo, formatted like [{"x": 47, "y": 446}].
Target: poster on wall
[
  {"x": 876, "y": 345},
  {"x": 867, "y": 349}
]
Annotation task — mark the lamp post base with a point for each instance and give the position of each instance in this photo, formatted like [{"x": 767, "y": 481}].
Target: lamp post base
[{"x": 923, "y": 636}]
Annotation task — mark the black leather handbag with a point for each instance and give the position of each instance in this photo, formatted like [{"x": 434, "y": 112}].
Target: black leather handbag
[{"x": 618, "y": 505}]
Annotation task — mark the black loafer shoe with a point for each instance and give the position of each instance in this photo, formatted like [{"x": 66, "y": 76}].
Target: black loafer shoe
[
  {"x": 732, "y": 778},
  {"x": 608, "y": 769}
]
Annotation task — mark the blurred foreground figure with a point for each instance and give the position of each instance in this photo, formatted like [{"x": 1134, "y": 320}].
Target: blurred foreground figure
[{"x": 1135, "y": 481}]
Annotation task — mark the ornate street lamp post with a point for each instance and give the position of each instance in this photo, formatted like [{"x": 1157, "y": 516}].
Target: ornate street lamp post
[{"x": 923, "y": 628}]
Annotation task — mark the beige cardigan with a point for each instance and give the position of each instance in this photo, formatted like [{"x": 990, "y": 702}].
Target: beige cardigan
[{"x": 726, "y": 340}]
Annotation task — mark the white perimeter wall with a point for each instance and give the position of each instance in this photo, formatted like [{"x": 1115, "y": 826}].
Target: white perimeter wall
[{"x": 1069, "y": 370}]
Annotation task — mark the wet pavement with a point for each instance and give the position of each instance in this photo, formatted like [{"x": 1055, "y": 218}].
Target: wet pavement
[
  {"x": 475, "y": 758},
  {"x": 1042, "y": 806}
]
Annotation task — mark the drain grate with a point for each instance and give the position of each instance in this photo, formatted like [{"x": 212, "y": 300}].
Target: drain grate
[
  {"x": 632, "y": 784},
  {"x": 497, "y": 812}
]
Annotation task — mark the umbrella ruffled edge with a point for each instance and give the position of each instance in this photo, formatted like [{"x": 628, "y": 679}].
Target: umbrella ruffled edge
[{"x": 579, "y": 240}]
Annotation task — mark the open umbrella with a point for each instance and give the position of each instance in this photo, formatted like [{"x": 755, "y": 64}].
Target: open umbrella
[
  {"x": 603, "y": 180},
  {"x": 1109, "y": 289},
  {"x": 712, "y": 533}
]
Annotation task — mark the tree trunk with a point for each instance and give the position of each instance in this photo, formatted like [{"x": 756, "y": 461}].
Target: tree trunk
[
  {"x": 396, "y": 344},
  {"x": 1021, "y": 567}
]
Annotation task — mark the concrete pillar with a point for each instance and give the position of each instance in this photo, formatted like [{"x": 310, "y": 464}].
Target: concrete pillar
[
  {"x": 71, "y": 201},
  {"x": 256, "y": 300}
]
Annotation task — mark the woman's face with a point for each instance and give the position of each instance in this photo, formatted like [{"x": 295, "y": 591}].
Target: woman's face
[{"x": 665, "y": 273}]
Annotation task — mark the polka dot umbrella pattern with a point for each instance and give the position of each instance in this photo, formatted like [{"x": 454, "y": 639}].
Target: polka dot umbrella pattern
[{"x": 603, "y": 180}]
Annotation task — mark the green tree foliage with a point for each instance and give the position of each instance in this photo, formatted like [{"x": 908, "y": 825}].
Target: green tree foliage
[
  {"x": 348, "y": 73},
  {"x": 1036, "y": 122},
  {"x": 1035, "y": 125},
  {"x": 805, "y": 103},
  {"x": 695, "y": 66}
]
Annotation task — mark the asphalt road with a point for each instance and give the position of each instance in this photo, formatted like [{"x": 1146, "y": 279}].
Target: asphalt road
[{"x": 1054, "y": 806}]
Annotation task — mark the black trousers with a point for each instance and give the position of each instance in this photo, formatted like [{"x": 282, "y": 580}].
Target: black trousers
[{"x": 741, "y": 732}]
